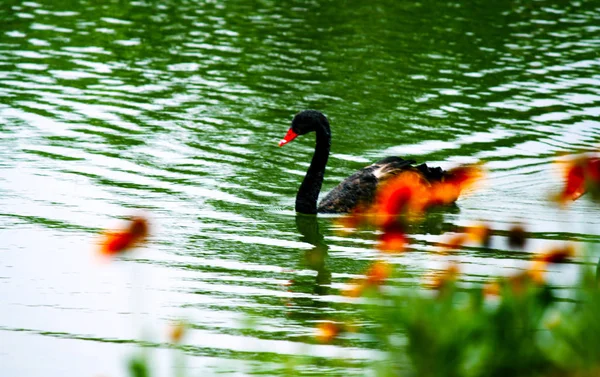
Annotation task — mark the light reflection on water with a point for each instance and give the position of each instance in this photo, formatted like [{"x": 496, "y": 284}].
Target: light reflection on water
[{"x": 175, "y": 109}]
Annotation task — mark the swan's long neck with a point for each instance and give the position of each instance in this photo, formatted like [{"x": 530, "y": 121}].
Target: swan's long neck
[{"x": 306, "y": 199}]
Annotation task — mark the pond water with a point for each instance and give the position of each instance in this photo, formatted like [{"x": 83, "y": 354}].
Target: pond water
[{"x": 174, "y": 109}]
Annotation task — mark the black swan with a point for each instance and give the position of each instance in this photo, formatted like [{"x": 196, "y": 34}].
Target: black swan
[{"x": 360, "y": 187}]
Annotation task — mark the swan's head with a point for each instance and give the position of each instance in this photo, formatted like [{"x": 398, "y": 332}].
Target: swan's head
[{"x": 304, "y": 122}]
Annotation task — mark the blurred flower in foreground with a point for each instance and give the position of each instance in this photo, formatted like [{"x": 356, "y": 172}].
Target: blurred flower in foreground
[
  {"x": 177, "y": 331},
  {"x": 515, "y": 283},
  {"x": 453, "y": 242},
  {"x": 535, "y": 273},
  {"x": 456, "y": 181},
  {"x": 393, "y": 239},
  {"x": 517, "y": 236},
  {"x": 491, "y": 288},
  {"x": 440, "y": 280},
  {"x": 405, "y": 198},
  {"x": 327, "y": 331},
  {"x": 405, "y": 194},
  {"x": 561, "y": 254},
  {"x": 480, "y": 234},
  {"x": 376, "y": 275},
  {"x": 135, "y": 233},
  {"x": 410, "y": 194},
  {"x": 580, "y": 175}
]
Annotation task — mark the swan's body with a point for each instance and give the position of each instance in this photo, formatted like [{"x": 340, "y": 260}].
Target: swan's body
[{"x": 360, "y": 187}]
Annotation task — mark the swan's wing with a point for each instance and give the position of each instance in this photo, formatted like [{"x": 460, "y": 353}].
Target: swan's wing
[
  {"x": 361, "y": 186},
  {"x": 358, "y": 188},
  {"x": 390, "y": 166}
]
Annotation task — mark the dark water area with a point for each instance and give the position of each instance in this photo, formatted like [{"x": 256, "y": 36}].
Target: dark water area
[{"x": 174, "y": 109}]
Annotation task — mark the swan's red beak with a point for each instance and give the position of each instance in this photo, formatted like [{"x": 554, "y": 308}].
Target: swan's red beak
[{"x": 291, "y": 135}]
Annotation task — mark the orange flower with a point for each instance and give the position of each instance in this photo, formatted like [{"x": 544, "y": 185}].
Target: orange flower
[
  {"x": 392, "y": 242},
  {"x": 560, "y": 254},
  {"x": 405, "y": 194},
  {"x": 480, "y": 233},
  {"x": 537, "y": 271},
  {"x": 393, "y": 239},
  {"x": 491, "y": 289},
  {"x": 409, "y": 194},
  {"x": 535, "y": 274},
  {"x": 443, "y": 193},
  {"x": 518, "y": 282},
  {"x": 115, "y": 242},
  {"x": 464, "y": 176},
  {"x": 441, "y": 280},
  {"x": 456, "y": 180},
  {"x": 327, "y": 331},
  {"x": 354, "y": 290},
  {"x": 177, "y": 331},
  {"x": 453, "y": 243},
  {"x": 378, "y": 273}
]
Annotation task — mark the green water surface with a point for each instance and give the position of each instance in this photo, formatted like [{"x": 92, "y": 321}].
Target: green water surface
[{"x": 173, "y": 109}]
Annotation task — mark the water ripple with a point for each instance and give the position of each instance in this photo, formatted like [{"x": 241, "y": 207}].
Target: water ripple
[{"x": 175, "y": 109}]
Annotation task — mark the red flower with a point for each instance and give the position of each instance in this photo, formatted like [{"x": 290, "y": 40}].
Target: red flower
[
  {"x": 574, "y": 183},
  {"x": 393, "y": 239},
  {"x": 115, "y": 242},
  {"x": 580, "y": 176},
  {"x": 410, "y": 194},
  {"x": 464, "y": 176},
  {"x": 405, "y": 194}
]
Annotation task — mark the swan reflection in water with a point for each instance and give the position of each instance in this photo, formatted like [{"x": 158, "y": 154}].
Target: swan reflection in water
[
  {"x": 315, "y": 258},
  {"x": 307, "y": 289}
]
